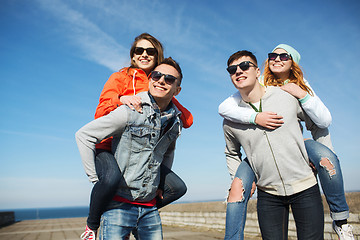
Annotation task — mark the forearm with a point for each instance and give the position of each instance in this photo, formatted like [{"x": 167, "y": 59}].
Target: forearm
[
  {"x": 321, "y": 135},
  {"x": 87, "y": 153},
  {"x": 316, "y": 110},
  {"x": 230, "y": 110},
  {"x": 95, "y": 131},
  {"x": 232, "y": 151}
]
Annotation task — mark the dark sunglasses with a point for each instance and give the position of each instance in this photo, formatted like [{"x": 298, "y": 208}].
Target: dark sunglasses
[
  {"x": 283, "y": 56},
  {"x": 169, "y": 79},
  {"x": 140, "y": 50},
  {"x": 243, "y": 66}
]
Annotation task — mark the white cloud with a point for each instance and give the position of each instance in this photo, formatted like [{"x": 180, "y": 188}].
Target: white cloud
[{"x": 95, "y": 44}]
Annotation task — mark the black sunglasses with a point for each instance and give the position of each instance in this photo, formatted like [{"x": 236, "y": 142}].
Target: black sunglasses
[
  {"x": 283, "y": 56},
  {"x": 169, "y": 79},
  {"x": 243, "y": 66},
  {"x": 150, "y": 51}
]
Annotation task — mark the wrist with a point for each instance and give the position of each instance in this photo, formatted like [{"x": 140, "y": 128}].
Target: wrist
[
  {"x": 304, "y": 99},
  {"x": 253, "y": 118}
]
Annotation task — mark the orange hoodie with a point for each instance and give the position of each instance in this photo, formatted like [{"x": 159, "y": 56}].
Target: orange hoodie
[{"x": 125, "y": 83}]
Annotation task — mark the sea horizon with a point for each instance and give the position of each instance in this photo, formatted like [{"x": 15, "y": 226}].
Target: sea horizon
[
  {"x": 34, "y": 213},
  {"x": 48, "y": 212}
]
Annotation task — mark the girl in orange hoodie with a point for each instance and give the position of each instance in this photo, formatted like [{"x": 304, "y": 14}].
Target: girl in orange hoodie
[{"x": 146, "y": 53}]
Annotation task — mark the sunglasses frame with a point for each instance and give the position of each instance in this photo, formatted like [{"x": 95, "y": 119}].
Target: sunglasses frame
[
  {"x": 283, "y": 56},
  {"x": 244, "y": 66},
  {"x": 169, "y": 79},
  {"x": 150, "y": 51}
]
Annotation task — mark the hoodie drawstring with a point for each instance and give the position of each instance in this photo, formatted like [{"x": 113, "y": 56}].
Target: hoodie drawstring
[{"x": 133, "y": 81}]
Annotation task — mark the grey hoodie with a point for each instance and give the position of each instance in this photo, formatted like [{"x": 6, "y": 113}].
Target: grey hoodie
[{"x": 278, "y": 157}]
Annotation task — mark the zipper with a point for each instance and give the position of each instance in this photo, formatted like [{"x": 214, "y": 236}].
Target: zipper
[{"x": 277, "y": 168}]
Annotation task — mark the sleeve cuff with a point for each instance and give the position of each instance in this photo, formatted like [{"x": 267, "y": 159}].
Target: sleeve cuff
[
  {"x": 304, "y": 99},
  {"x": 252, "y": 118}
]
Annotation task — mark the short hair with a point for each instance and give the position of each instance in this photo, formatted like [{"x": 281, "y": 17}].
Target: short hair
[
  {"x": 171, "y": 62},
  {"x": 239, "y": 54}
]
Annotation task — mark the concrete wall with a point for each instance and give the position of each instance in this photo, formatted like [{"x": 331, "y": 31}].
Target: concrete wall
[
  {"x": 211, "y": 216},
  {"x": 7, "y": 218},
  {"x": 216, "y": 221}
]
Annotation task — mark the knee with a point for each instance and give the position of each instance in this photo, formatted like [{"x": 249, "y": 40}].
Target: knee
[
  {"x": 179, "y": 188},
  {"x": 328, "y": 166},
  {"x": 237, "y": 191},
  {"x": 182, "y": 189}
]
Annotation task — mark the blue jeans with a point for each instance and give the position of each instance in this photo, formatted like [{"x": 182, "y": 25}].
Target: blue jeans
[
  {"x": 307, "y": 209},
  {"x": 109, "y": 176},
  {"x": 120, "y": 222},
  {"x": 332, "y": 185},
  {"x": 329, "y": 171},
  {"x": 236, "y": 211}
]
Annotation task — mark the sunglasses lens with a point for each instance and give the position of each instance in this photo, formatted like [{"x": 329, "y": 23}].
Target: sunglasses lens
[
  {"x": 139, "y": 50},
  {"x": 284, "y": 56},
  {"x": 156, "y": 76},
  {"x": 169, "y": 79},
  {"x": 244, "y": 65},
  {"x": 151, "y": 51},
  {"x": 232, "y": 69},
  {"x": 272, "y": 56}
]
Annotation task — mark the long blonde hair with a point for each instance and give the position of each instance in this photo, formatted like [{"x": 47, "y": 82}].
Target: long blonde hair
[{"x": 296, "y": 76}]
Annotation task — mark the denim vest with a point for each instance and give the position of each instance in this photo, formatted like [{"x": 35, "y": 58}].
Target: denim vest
[{"x": 140, "y": 151}]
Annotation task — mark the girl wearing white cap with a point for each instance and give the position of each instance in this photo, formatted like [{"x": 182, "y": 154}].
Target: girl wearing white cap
[{"x": 282, "y": 69}]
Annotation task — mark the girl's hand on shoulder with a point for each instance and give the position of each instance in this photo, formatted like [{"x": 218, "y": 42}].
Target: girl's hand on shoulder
[
  {"x": 294, "y": 90},
  {"x": 269, "y": 120},
  {"x": 133, "y": 102}
]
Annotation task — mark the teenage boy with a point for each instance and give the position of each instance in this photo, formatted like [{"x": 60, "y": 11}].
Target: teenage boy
[
  {"x": 142, "y": 142},
  {"x": 277, "y": 159}
]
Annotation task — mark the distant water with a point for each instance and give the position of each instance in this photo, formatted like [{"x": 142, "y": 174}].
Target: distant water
[{"x": 46, "y": 213}]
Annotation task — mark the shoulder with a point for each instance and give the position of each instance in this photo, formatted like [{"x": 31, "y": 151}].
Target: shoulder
[
  {"x": 118, "y": 77},
  {"x": 278, "y": 92},
  {"x": 144, "y": 97}
]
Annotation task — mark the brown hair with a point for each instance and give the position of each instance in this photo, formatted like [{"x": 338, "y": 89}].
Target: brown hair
[
  {"x": 296, "y": 76},
  {"x": 239, "y": 54},
  {"x": 171, "y": 62},
  {"x": 159, "y": 57}
]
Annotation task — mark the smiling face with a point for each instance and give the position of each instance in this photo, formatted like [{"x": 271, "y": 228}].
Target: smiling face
[
  {"x": 144, "y": 61},
  {"x": 243, "y": 79},
  {"x": 281, "y": 69},
  {"x": 160, "y": 90}
]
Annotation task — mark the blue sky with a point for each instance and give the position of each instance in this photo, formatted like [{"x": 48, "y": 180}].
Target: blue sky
[{"x": 55, "y": 57}]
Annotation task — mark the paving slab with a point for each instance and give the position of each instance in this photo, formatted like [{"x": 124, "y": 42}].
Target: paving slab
[{"x": 71, "y": 229}]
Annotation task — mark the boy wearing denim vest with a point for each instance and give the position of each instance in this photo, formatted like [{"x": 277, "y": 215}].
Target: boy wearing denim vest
[{"x": 142, "y": 142}]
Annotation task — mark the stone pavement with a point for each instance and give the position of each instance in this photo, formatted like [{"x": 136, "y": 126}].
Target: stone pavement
[{"x": 71, "y": 229}]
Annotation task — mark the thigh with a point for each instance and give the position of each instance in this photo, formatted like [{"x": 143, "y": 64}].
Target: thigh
[
  {"x": 273, "y": 216},
  {"x": 171, "y": 182},
  {"x": 106, "y": 166},
  {"x": 246, "y": 175},
  {"x": 308, "y": 213},
  {"x": 149, "y": 224},
  {"x": 118, "y": 223},
  {"x": 317, "y": 151}
]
